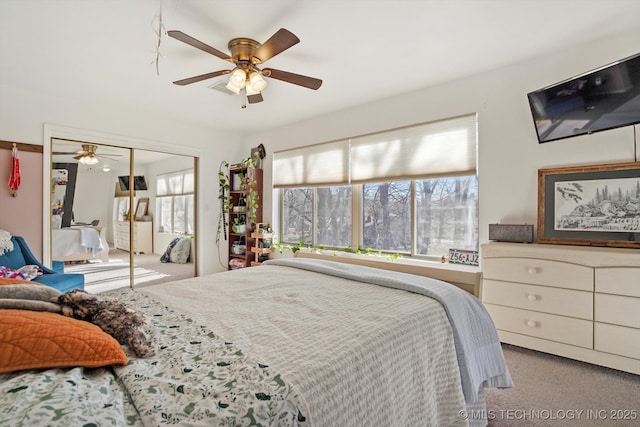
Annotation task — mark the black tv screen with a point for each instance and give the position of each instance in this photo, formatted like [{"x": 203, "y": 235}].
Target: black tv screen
[
  {"x": 139, "y": 183},
  {"x": 598, "y": 100}
]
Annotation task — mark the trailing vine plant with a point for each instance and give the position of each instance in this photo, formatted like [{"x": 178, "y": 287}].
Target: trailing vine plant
[
  {"x": 281, "y": 247},
  {"x": 224, "y": 196}
]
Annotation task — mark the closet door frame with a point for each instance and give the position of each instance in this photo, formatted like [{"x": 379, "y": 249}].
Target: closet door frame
[{"x": 52, "y": 132}]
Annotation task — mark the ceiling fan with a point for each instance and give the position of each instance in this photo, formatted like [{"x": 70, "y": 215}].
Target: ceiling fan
[
  {"x": 87, "y": 155},
  {"x": 247, "y": 54}
]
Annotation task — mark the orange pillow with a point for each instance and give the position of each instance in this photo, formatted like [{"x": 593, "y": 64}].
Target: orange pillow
[
  {"x": 42, "y": 340},
  {"x": 5, "y": 281}
]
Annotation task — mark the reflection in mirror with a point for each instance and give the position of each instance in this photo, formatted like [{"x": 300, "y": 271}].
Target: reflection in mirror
[
  {"x": 168, "y": 208},
  {"x": 92, "y": 205},
  {"x": 82, "y": 212}
]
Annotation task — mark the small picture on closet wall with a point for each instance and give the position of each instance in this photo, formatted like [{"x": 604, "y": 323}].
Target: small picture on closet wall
[{"x": 142, "y": 207}]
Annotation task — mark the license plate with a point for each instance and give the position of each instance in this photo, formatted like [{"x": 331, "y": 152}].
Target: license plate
[{"x": 460, "y": 256}]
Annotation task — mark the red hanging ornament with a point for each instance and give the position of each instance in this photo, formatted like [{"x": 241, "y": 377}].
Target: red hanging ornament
[{"x": 14, "y": 178}]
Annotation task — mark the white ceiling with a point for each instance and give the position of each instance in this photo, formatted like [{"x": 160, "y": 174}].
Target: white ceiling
[{"x": 104, "y": 50}]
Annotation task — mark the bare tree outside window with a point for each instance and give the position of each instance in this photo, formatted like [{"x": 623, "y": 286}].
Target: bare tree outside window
[
  {"x": 446, "y": 215},
  {"x": 333, "y": 216},
  {"x": 387, "y": 216},
  {"x": 297, "y": 215}
]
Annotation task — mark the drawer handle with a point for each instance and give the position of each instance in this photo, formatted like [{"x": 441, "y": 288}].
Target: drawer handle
[
  {"x": 532, "y": 270},
  {"x": 532, "y": 297},
  {"x": 532, "y": 324}
]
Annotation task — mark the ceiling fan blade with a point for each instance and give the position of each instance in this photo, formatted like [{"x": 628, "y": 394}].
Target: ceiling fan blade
[
  {"x": 64, "y": 153},
  {"x": 277, "y": 43},
  {"x": 179, "y": 35},
  {"x": 296, "y": 79},
  {"x": 254, "y": 99},
  {"x": 201, "y": 77}
]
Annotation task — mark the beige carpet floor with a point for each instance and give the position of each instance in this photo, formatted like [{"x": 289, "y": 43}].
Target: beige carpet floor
[
  {"x": 148, "y": 270},
  {"x": 555, "y": 391}
]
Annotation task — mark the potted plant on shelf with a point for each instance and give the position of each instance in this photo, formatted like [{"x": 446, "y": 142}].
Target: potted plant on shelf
[{"x": 239, "y": 225}]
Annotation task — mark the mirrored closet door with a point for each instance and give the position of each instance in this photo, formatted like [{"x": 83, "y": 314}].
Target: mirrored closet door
[{"x": 110, "y": 223}]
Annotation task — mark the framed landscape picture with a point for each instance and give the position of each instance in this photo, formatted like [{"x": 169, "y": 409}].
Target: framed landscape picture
[{"x": 596, "y": 205}]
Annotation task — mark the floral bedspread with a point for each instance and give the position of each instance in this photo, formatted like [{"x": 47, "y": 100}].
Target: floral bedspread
[{"x": 194, "y": 378}]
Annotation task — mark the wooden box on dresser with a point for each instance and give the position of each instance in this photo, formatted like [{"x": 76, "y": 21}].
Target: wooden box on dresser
[{"x": 578, "y": 302}]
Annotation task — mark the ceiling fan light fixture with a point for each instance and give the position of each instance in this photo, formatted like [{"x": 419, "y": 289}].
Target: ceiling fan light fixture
[
  {"x": 88, "y": 160},
  {"x": 238, "y": 78},
  {"x": 256, "y": 82},
  {"x": 233, "y": 88}
]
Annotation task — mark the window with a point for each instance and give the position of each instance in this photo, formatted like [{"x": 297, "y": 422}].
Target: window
[
  {"x": 175, "y": 202},
  {"x": 331, "y": 207},
  {"x": 446, "y": 215},
  {"x": 386, "y": 219},
  {"x": 412, "y": 191}
]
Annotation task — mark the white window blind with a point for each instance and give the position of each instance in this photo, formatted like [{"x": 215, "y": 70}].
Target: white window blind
[
  {"x": 175, "y": 183},
  {"x": 322, "y": 164},
  {"x": 442, "y": 148},
  {"x": 446, "y": 147}
]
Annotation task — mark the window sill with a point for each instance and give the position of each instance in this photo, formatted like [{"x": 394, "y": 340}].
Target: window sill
[{"x": 463, "y": 276}]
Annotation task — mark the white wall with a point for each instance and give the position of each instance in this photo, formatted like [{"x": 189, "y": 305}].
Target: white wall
[
  {"x": 23, "y": 115},
  {"x": 94, "y": 196},
  {"x": 508, "y": 153}
]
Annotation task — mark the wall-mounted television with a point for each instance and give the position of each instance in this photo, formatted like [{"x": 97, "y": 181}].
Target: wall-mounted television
[
  {"x": 602, "y": 99},
  {"x": 139, "y": 183}
]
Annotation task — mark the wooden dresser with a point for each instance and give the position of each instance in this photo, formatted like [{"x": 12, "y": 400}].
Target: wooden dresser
[
  {"x": 578, "y": 302},
  {"x": 142, "y": 236}
]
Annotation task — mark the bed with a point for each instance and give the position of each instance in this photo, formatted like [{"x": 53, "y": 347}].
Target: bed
[
  {"x": 80, "y": 243},
  {"x": 294, "y": 342}
]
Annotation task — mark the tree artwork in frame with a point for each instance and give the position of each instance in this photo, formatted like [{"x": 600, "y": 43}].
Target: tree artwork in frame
[{"x": 596, "y": 205}]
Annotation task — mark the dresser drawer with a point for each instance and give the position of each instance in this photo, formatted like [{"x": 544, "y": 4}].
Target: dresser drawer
[
  {"x": 542, "y": 325},
  {"x": 618, "y": 340},
  {"x": 619, "y": 310},
  {"x": 539, "y": 272},
  {"x": 565, "y": 302},
  {"x": 619, "y": 281}
]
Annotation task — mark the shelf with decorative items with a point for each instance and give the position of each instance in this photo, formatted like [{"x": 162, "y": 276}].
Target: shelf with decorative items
[
  {"x": 263, "y": 244},
  {"x": 245, "y": 212}
]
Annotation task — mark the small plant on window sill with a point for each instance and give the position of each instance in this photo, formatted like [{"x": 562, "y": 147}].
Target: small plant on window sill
[{"x": 281, "y": 247}]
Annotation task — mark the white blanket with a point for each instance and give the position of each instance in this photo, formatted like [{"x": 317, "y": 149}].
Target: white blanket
[
  {"x": 90, "y": 239},
  {"x": 478, "y": 346},
  {"x": 358, "y": 354},
  {"x": 76, "y": 240}
]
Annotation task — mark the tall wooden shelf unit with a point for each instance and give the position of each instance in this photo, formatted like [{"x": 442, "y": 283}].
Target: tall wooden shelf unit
[{"x": 243, "y": 180}]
